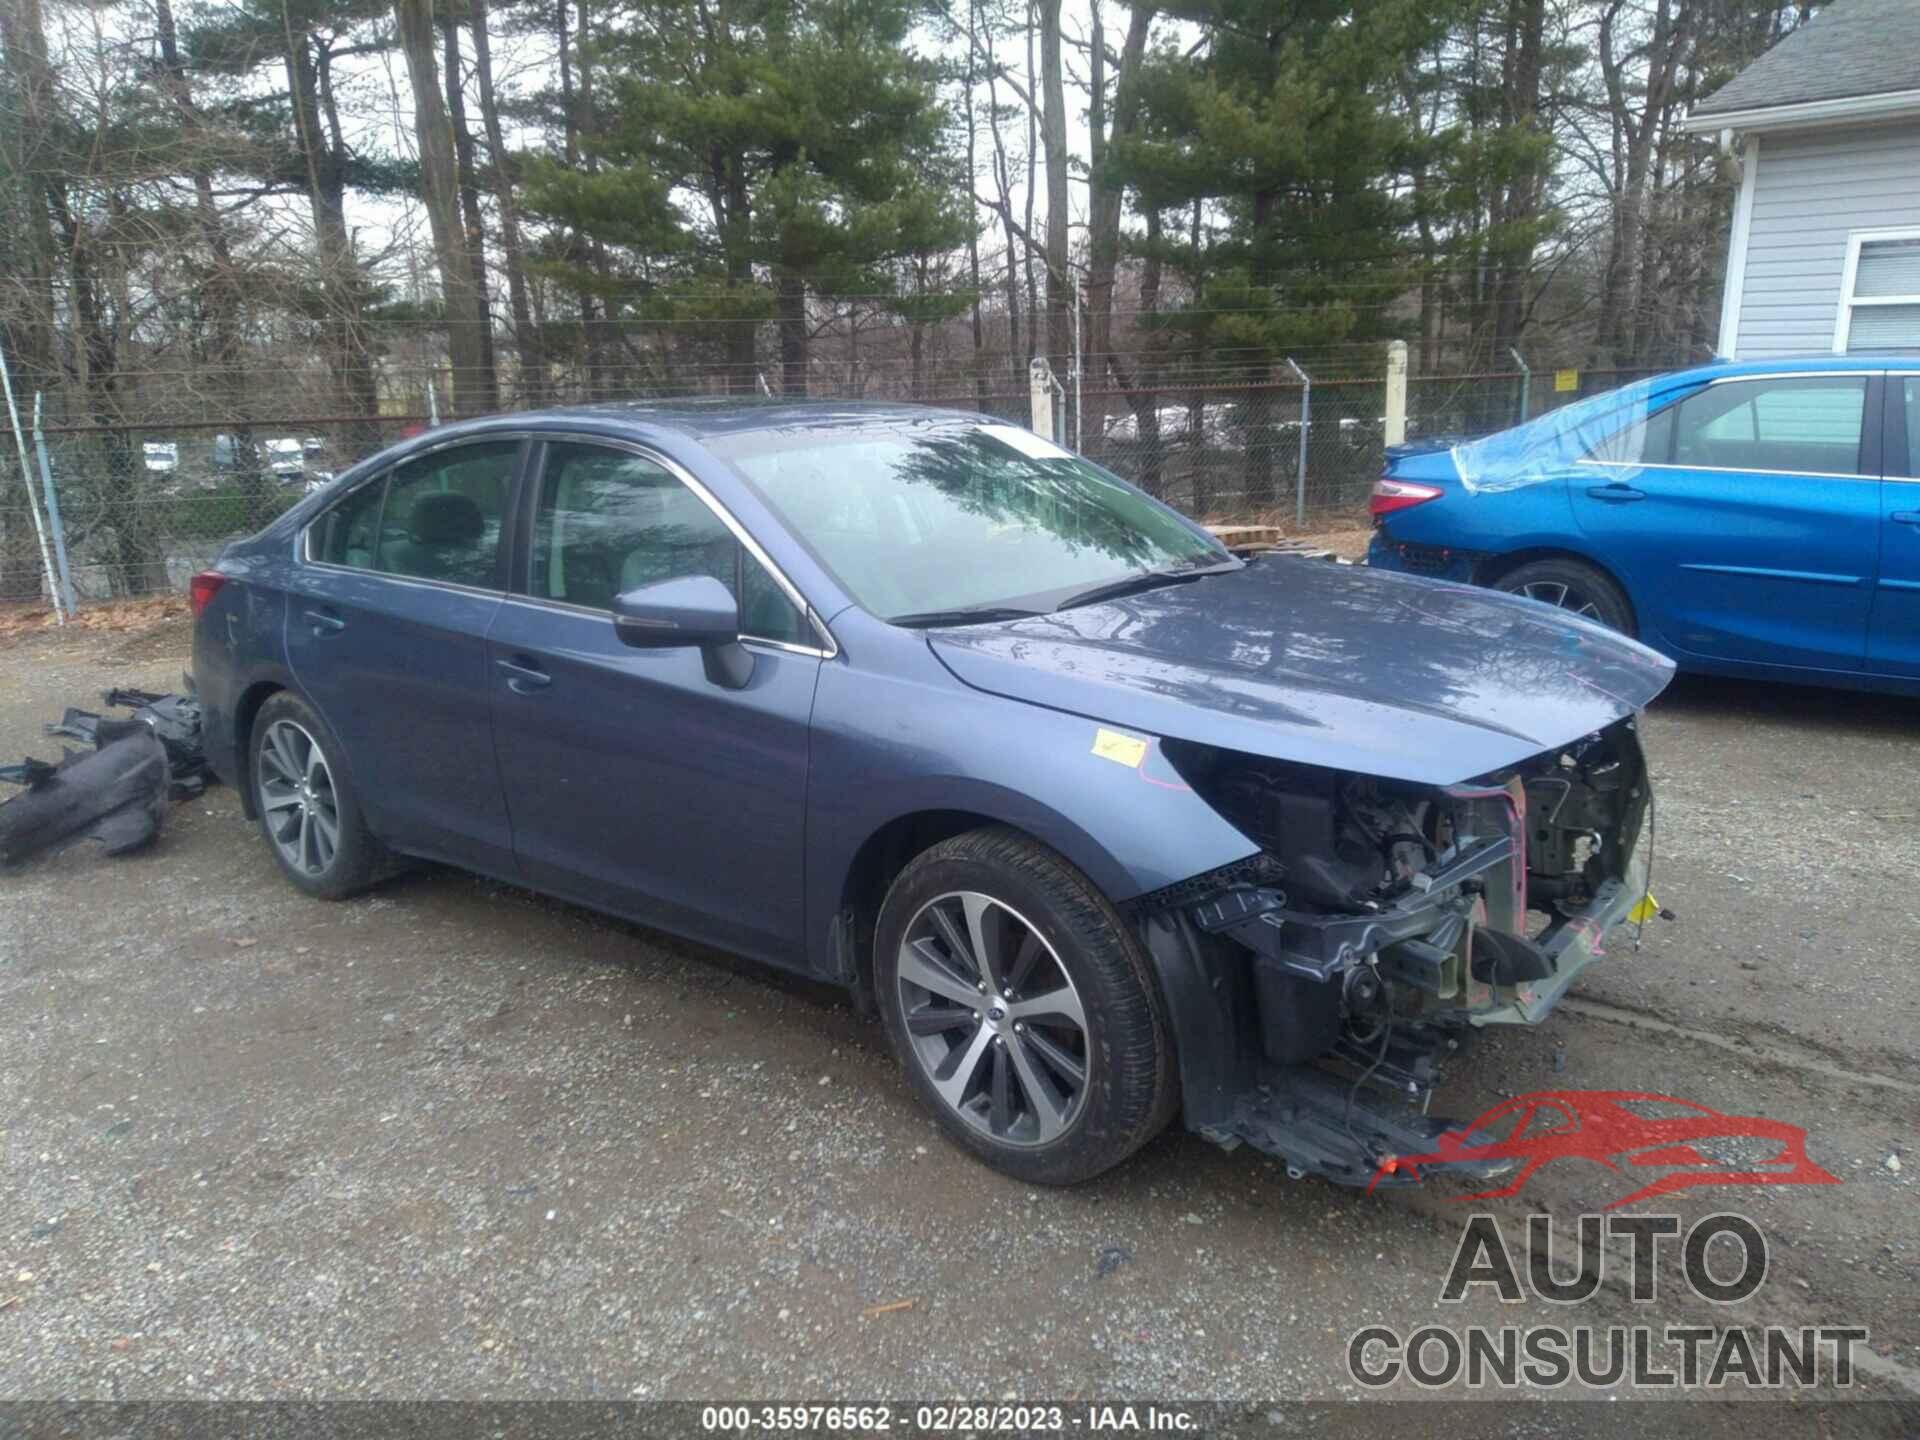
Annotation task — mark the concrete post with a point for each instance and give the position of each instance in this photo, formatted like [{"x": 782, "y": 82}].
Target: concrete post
[
  {"x": 1396, "y": 392},
  {"x": 1040, "y": 382}
]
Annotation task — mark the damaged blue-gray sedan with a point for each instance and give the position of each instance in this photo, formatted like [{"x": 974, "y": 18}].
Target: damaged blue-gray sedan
[{"x": 1108, "y": 824}]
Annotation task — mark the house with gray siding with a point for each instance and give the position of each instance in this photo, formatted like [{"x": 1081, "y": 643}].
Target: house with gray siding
[{"x": 1825, "y": 251}]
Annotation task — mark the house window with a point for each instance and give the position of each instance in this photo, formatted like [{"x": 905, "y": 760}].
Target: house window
[{"x": 1880, "y": 293}]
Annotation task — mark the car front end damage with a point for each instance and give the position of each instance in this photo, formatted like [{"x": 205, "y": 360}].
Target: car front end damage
[{"x": 1316, "y": 987}]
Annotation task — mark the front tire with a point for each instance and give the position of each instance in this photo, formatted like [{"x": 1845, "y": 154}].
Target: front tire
[
  {"x": 1023, "y": 1009},
  {"x": 1572, "y": 585},
  {"x": 306, "y": 802}
]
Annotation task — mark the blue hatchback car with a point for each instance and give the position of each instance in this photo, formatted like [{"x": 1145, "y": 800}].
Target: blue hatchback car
[
  {"x": 1108, "y": 825},
  {"x": 1758, "y": 519}
]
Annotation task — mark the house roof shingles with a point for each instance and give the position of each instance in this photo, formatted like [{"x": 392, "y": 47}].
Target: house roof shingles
[{"x": 1853, "y": 47}]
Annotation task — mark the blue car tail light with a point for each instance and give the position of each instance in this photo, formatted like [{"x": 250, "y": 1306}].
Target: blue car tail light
[{"x": 1390, "y": 495}]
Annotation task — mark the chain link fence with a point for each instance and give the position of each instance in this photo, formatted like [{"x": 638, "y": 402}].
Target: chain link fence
[{"x": 142, "y": 507}]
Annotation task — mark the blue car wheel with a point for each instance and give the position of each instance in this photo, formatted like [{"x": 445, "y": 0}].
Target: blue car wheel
[{"x": 1571, "y": 585}]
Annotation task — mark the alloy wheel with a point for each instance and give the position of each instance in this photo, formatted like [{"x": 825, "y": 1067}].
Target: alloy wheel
[
  {"x": 297, "y": 798},
  {"x": 1563, "y": 596},
  {"x": 993, "y": 1018}
]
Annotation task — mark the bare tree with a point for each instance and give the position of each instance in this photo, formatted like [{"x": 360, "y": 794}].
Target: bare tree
[
  {"x": 475, "y": 389},
  {"x": 532, "y": 354},
  {"x": 474, "y": 234},
  {"x": 1054, "y": 140}
]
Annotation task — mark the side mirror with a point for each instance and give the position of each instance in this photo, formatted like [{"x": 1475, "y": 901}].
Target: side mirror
[{"x": 695, "y": 611}]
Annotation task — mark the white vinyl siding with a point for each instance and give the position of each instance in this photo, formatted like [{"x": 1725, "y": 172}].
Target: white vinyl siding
[{"x": 1812, "y": 190}]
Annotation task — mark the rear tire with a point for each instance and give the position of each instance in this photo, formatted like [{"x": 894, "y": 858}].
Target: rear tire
[
  {"x": 307, "y": 805},
  {"x": 1572, "y": 585},
  {"x": 1053, "y": 1061}
]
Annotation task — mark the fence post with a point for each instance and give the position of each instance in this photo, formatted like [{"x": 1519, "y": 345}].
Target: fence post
[
  {"x": 71, "y": 597},
  {"x": 1306, "y": 427},
  {"x": 1040, "y": 383},
  {"x": 1526, "y": 382},
  {"x": 26, "y": 483},
  {"x": 1396, "y": 428}
]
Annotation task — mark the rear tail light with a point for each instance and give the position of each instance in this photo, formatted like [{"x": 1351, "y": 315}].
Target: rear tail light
[
  {"x": 202, "y": 588},
  {"x": 1391, "y": 495}
]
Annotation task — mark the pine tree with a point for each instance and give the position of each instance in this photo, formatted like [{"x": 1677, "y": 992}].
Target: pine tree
[{"x": 755, "y": 156}]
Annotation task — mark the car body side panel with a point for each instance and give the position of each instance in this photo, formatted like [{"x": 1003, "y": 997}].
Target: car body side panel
[
  {"x": 240, "y": 641},
  {"x": 398, "y": 669},
  {"x": 1775, "y": 569},
  {"x": 895, "y": 735},
  {"x": 1532, "y": 517},
  {"x": 638, "y": 785},
  {"x": 1893, "y": 645}
]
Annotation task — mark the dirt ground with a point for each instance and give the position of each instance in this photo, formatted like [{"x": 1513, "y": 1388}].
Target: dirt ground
[{"x": 453, "y": 1139}]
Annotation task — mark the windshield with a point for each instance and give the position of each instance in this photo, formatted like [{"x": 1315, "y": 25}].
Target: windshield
[{"x": 926, "y": 519}]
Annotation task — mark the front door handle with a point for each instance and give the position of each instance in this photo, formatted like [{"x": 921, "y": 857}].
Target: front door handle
[
  {"x": 1616, "y": 492},
  {"x": 1905, "y": 517},
  {"x": 523, "y": 676},
  {"x": 324, "y": 622}
]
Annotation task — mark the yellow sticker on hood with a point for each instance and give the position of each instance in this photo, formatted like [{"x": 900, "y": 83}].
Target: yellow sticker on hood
[{"x": 1127, "y": 750}]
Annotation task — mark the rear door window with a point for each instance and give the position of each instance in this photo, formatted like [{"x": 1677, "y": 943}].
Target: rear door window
[
  {"x": 1809, "y": 424},
  {"x": 443, "y": 513},
  {"x": 1913, "y": 427},
  {"x": 434, "y": 518}
]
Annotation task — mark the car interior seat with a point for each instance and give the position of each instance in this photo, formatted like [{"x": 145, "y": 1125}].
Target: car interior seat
[{"x": 442, "y": 542}]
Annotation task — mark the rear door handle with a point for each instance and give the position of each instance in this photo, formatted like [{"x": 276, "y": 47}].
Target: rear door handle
[
  {"x": 1615, "y": 492},
  {"x": 523, "y": 676},
  {"x": 1905, "y": 517},
  {"x": 324, "y": 622}
]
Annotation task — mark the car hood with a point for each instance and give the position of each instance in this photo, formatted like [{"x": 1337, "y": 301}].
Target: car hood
[{"x": 1334, "y": 665}]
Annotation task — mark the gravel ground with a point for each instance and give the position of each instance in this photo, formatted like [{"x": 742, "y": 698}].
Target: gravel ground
[{"x": 454, "y": 1139}]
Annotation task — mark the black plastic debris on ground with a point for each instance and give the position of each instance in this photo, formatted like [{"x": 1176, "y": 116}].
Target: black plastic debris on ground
[
  {"x": 117, "y": 794},
  {"x": 174, "y": 718}
]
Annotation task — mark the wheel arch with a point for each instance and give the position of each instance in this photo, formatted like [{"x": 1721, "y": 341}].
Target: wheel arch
[
  {"x": 878, "y": 858},
  {"x": 1493, "y": 568},
  {"x": 245, "y": 709}
]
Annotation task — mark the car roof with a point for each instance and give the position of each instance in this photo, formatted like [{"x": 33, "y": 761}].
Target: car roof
[
  {"x": 706, "y": 419},
  {"x": 1787, "y": 364}
]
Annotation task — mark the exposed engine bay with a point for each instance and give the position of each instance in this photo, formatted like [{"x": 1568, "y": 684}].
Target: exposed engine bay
[{"x": 1381, "y": 924}]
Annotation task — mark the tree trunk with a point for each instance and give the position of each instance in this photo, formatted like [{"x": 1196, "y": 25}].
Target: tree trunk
[
  {"x": 973, "y": 229},
  {"x": 528, "y": 342},
  {"x": 1103, "y": 220},
  {"x": 475, "y": 391},
  {"x": 1033, "y": 189},
  {"x": 221, "y": 295},
  {"x": 1054, "y": 141},
  {"x": 791, "y": 310},
  {"x": 474, "y": 230},
  {"x": 576, "y": 247},
  {"x": 343, "y": 339},
  {"x": 1003, "y": 182},
  {"x": 1518, "y": 201}
]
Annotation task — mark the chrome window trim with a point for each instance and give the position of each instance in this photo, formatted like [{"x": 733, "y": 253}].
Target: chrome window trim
[
  {"x": 303, "y": 544},
  {"x": 1742, "y": 470},
  {"x": 831, "y": 647},
  {"x": 1731, "y": 469}
]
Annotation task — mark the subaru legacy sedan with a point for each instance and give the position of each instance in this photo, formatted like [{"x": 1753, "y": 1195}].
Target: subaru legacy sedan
[
  {"x": 1108, "y": 825},
  {"x": 1759, "y": 519}
]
